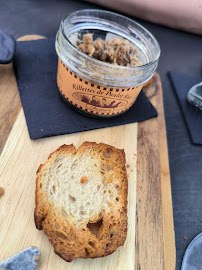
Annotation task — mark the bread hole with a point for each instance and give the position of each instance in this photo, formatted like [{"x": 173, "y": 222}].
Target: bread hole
[
  {"x": 87, "y": 252},
  {"x": 72, "y": 199},
  {"x": 107, "y": 153},
  {"x": 61, "y": 235},
  {"x": 98, "y": 187},
  {"x": 105, "y": 167},
  {"x": 74, "y": 165},
  {"x": 117, "y": 199},
  {"x": 92, "y": 244},
  {"x": 104, "y": 191},
  {"x": 82, "y": 213},
  {"x": 59, "y": 166},
  {"x": 117, "y": 187},
  {"x": 107, "y": 245},
  {"x": 109, "y": 191},
  {"x": 64, "y": 227},
  {"x": 57, "y": 226},
  {"x": 95, "y": 165},
  {"x": 95, "y": 227},
  {"x": 87, "y": 204},
  {"x": 40, "y": 185},
  {"x": 53, "y": 187},
  {"x": 111, "y": 234}
]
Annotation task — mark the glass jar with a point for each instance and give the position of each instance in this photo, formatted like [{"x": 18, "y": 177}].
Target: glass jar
[{"x": 94, "y": 87}]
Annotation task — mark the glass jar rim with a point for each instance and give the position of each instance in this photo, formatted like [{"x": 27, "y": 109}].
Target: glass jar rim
[{"x": 108, "y": 65}]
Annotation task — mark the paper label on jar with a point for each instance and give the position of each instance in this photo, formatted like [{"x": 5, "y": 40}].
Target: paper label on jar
[{"x": 93, "y": 98}]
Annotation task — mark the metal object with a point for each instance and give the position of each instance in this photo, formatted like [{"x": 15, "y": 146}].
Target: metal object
[
  {"x": 24, "y": 260},
  {"x": 7, "y": 48},
  {"x": 195, "y": 95}
]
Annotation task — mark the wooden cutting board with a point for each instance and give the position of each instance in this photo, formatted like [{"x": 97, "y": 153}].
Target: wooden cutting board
[{"x": 150, "y": 241}]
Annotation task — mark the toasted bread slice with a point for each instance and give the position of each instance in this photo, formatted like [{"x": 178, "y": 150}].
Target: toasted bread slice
[{"x": 81, "y": 200}]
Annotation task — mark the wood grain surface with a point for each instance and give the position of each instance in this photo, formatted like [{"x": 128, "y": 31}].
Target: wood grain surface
[
  {"x": 9, "y": 100},
  {"x": 155, "y": 240},
  {"x": 150, "y": 242}
]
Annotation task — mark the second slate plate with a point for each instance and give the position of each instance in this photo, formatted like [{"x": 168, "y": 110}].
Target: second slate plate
[{"x": 193, "y": 256}]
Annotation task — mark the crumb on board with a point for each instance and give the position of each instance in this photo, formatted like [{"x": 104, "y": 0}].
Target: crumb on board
[
  {"x": 2, "y": 191},
  {"x": 185, "y": 238}
]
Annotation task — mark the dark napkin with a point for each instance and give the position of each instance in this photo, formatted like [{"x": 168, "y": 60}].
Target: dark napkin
[
  {"x": 45, "y": 111},
  {"x": 193, "y": 116}
]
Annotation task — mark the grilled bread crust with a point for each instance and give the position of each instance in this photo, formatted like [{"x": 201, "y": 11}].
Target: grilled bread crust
[{"x": 81, "y": 200}]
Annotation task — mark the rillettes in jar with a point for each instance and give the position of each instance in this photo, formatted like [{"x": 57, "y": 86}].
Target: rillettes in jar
[{"x": 95, "y": 87}]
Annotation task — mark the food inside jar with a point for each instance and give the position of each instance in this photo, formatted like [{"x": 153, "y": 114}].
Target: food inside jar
[{"x": 117, "y": 51}]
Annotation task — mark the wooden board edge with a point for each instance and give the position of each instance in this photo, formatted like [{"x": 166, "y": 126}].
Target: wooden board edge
[
  {"x": 167, "y": 210},
  {"x": 152, "y": 138},
  {"x": 149, "y": 220}
]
